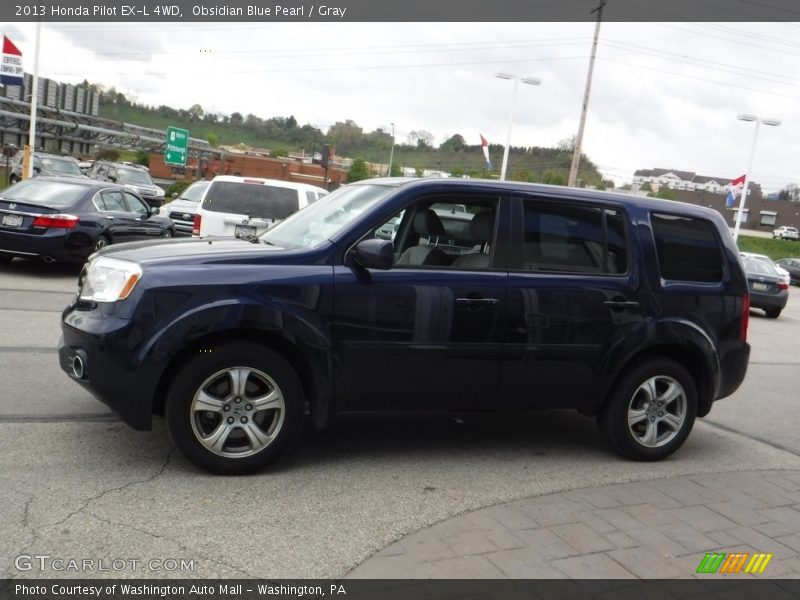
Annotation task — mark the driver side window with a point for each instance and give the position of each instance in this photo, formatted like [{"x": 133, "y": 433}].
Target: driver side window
[{"x": 443, "y": 232}]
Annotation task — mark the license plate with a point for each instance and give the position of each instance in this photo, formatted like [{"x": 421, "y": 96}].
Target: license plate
[
  {"x": 760, "y": 287},
  {"x": 12, "y": 220},
  {"x": 243, "y": 231}
]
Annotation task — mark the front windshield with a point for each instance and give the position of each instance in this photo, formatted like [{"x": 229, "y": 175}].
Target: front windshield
[
  {"x": 134, "y": 176},
  {"x": 194, "y": 192},
  {"x": 55, "y": 165},
  {"x": 319, "y": 222}
]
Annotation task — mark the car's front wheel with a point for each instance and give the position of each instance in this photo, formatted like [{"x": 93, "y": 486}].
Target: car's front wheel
[
  {"x": 235, "y": 407},
  {"x": 772, "y": 313},
  {"x": 651, "y": 410}
]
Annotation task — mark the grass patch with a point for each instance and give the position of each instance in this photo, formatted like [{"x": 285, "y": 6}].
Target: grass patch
[{"x": 775, "y": 249}]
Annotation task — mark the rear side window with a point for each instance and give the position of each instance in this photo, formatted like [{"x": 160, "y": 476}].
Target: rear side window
[
  {"x": 573, "y": 239},
  {"x": 253, "y": 199},
  {"x": 687, "y": 249}
]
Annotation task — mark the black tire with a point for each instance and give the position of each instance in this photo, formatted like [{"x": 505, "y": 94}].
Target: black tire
[
  {"x": 773, "y": 313},
  {"x": 212, "y": 371},
  {"x": 101, "y": 242},
  {"x": 5, "y": 259},
  {"x": 168, "y": 234},
  {"x": 630, "y": 393}
]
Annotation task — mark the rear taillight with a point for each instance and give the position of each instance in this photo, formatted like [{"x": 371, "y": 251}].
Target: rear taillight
[
  {"x": 745, "y": 317},
  {"x": 196, "y": 224},
  {"x": 783, "y": 285},
  {"x": 56, "y": 221}
]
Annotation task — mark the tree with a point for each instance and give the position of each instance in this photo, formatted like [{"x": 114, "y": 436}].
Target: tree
[
  {"x": 791, "y": 193},
  {"x": 397, "y": 170},
  {"x": 421, "y": 139},
  {"x": 213, "y": 139},
  {"x": 108, "y": 154},
  {"x": 142, "y": 158},
  {"x": 553, "y": 178},
  {"x": 646, "y": 187},
  {"x": 453, "y": 144},
  {"x": 419, "y": 171},
  {"x": 279, "y": 151},
  {"x": 195, "y": 112},
  {"x": 358, "y": 171},
  {"x": 522, "y": 175},
  {"x": 236, "y": 119}
]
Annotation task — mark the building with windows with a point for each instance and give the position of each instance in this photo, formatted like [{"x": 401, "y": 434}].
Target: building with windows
[
  {"x": 680, "y": 180},
  {"x": 761, "y": 212}
]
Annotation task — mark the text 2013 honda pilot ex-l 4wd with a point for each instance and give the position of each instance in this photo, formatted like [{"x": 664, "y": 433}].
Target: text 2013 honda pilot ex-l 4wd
[{"x": 634, "y": 310}]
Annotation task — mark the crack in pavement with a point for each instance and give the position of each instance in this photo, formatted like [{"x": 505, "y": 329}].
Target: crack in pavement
[{"x": 96, "y": 497}]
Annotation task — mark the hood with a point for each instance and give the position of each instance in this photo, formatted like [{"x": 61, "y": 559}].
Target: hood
[
  {"x": 182, "y": 206},
  {"x": 191, "y": 251}
]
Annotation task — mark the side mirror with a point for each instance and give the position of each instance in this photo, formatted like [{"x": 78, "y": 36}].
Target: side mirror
[
  {"x": 153, "y": 210},
  {"x": 374, "y": 254}
]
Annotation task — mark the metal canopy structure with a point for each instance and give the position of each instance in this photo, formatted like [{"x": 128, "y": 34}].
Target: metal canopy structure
[{"x": 79, "y": 133}]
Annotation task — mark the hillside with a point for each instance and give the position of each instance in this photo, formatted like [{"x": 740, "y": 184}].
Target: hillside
[{"x": 283, "y": 135}]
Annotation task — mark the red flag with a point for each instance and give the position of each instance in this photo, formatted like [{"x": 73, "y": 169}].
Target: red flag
[
  {"x": 738, "y": 181},
  {"x": 9, "y": 47}
]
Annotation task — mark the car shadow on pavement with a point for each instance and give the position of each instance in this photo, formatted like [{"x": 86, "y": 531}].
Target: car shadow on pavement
[
  {"x": 476, "y": 435},
  {"x": 40, "y": 268}
]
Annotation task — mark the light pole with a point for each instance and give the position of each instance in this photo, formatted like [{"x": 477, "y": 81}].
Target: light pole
[
  {"x": 391, "y": 154},
  {"x": 759, "y": 121},
  {"x": 529, "y": 81}
]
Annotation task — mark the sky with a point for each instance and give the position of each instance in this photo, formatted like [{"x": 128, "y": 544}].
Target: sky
[{"x": 664, "y": 95}]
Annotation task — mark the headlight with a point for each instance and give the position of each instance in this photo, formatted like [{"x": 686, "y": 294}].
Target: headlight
[
  {"x": 159, "y": 192},
  {"x": 109, "y": 280}
]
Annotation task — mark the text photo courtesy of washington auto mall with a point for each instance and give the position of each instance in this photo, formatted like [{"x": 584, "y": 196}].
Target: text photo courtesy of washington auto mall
[{"x": 399, "y": 300}]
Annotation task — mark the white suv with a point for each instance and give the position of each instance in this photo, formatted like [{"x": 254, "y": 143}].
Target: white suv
[
  {"x": 786, "y": 233},
  {"x": 245, "y": 207}
]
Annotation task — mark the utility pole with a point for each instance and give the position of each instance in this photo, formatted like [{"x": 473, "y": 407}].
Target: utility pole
[{"x": 576, "y": 153}]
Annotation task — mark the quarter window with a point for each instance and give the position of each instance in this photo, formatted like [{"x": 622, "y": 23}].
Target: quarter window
[
  {"x": 573, "y": 239},
  {"x": 112, "y": 201},
  {"x": 687, "y": 249}
]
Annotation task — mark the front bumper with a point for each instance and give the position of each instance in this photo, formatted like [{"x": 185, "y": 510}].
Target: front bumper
[{"x": 112, "y": 372}]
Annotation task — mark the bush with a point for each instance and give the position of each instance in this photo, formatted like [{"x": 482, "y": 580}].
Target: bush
[{"x": 176, "y": 188}]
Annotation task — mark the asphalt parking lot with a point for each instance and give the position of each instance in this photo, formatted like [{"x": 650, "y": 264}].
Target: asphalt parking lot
[{"x": 77, "y": 484}]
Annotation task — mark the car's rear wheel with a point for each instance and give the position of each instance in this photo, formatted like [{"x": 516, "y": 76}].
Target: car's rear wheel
[
  {"x": 772, "y": 313},
  {"x": 100, "y": 243},
  {"x": 235, "y": 408},
  {"x": 168, "y": 234},
  {"x": 651, "y": 410}
]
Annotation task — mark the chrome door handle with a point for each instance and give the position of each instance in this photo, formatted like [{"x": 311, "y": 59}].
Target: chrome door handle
[
  {"x": 621, "y": 304},
  {"x": 477, "y": 300},
  {"x": 109, "y": 217}
]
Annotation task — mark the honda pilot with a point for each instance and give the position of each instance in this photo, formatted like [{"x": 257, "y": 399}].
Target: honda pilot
[{"x": 630, "y": 310}]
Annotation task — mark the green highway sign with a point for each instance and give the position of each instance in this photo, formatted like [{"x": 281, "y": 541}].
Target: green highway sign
[{"x": 177, "y": 146}]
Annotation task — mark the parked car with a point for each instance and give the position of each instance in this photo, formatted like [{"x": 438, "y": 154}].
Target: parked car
[
  {"x": 764, "y": 258},
  {"x": 632, "y": 310},
  {"x": 245, "y": 207},
  {"x": 768, "y": 290},
  {"x": 182, "y": 209},
  {"x": 786, "y": 233},
  {"x": 791, "y": 266},
  {"x": 133, "y": 177},
  {"x": 58, "y": 219},
  {"x": 53, "y": 165}
]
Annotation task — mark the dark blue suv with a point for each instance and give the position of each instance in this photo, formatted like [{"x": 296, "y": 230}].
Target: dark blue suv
[{"x": 488, "y": 295}]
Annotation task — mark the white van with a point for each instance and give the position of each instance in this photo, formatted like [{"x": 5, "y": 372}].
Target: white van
[{"x": 244, "y": 207}]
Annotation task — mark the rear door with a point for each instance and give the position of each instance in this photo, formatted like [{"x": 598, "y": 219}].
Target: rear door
[{"x": 572, "y": 290}]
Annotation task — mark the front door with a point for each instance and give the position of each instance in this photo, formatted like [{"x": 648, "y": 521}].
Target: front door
[{"x": 425, "y": 334}]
